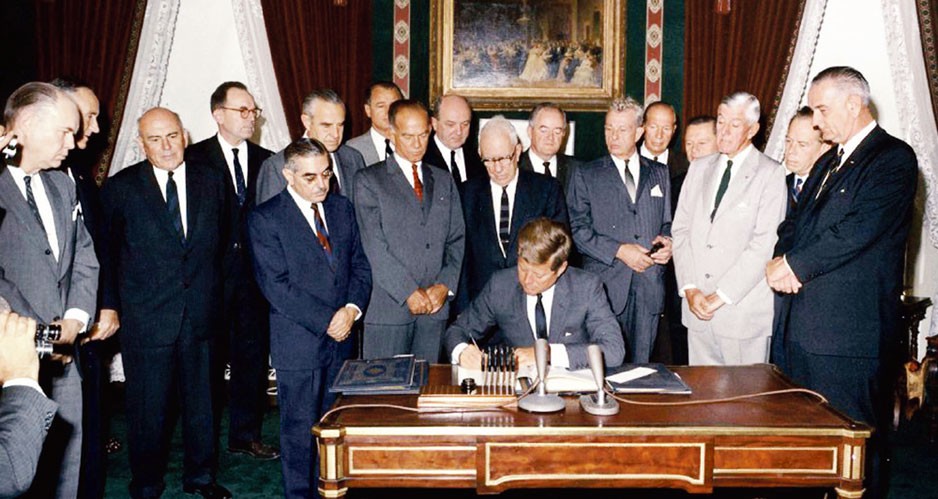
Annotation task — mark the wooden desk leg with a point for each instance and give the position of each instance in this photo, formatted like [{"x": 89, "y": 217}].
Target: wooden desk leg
[
  {"x": 852, "y": 469},
  {"x": 849, "y": 494},
  {"x": 331, "y": 442}
]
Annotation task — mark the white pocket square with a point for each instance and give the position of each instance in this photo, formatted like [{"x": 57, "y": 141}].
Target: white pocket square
[
  {"x": 656, "y": 191},
  {"x": 76, "y": 212}
]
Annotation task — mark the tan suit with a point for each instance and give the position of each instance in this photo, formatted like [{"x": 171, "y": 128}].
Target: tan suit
[{"x": 729, "y": 254}]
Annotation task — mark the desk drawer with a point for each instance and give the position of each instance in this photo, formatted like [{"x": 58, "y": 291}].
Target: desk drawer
[{"x": 435, "y": 460}]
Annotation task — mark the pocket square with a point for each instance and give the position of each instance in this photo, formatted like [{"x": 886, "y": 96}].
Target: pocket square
[
  {"x": 567, "y": 333},
  {"x": 656, "y": 191},
  {"x": 76, "y": 212}
]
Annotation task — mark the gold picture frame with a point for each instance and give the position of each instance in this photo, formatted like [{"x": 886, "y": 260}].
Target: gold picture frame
[{"x": 512, "y": 54}]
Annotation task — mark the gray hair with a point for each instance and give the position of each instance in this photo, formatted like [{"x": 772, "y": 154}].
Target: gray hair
[
  {"x": 750, "y": 104},
  {"x": 323, "y": 94},
  {"x": 847, "y": 80},
  {"x": 303, "y": 147},
  {"x": 544, "y": 106},
  {"x": 498, "y": 124},
  {"x": 32, "y": 94},
  {"x": 627, "y": 104}
]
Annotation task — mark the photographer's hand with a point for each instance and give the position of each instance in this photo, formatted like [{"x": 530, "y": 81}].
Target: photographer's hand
[{"x": 18, "y": 357}]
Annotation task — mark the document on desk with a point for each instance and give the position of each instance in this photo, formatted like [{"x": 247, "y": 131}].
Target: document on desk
[{"x": 646, "y": 378}]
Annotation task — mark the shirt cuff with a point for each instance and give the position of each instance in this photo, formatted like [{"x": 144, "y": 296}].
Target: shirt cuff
[
  {"x": 726, "y": 299},
  {"x": 683, "y": 291},
  {"x": 358, "y": 311},
  {"x": 454, "y": 356},
  {"x": 558, "y": 355},
  {"x": 788, "y": 267},
  {"x": 23, "y": 382},
  {"x": 79, "y": 315}
]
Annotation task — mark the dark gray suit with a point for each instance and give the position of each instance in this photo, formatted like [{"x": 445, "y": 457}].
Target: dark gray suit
[
  {"x": 603, "y": 217},
  {"x": 580, "y": 316},
  {"x": 270, "y": 180},
  {"x": 39, "y": 286},
  {"x": 410, "y": 245},
  {"x": 366, "y": 147},
  {"x": 25, "y": 417},
  {"x": 565, "y": 165}
]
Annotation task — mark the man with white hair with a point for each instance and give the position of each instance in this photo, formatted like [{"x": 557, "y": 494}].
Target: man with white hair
[{"x": 724, "y": 231}]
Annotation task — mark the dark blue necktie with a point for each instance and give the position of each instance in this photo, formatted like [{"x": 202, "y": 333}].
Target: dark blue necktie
[
  {"x": 796, "y": 189},
  {"x": 31, "y": 200},
  {"x": 240, "y": 188},
  {"x": 172, "y": 204},
  {"x": 540, "y": 319}
]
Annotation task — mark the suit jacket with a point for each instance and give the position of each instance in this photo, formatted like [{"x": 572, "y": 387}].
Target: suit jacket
[
  {"x": 580, "y": 316},
  {"x": 270, "y": 180},
  {"x": 847, "y": 248},
  {"x": 565, "y": 165},
  {"x": 286, "y": 253},
  {"x": 535, "y": 196},
  {"x": 677, "y": 163},
  {"x": 410, "y": 245},
  {"x": 25, "y": 416},
  {"x": 474, "y": 166},
  {"x": 33, "y": 281},
  {"x": 731, "y": 252},
  {"x": 602, "y": 217},
  {"x": 238, "y": 266},
  {"x": 366, "y": 147},
  {"x": 153, "y": 278}
]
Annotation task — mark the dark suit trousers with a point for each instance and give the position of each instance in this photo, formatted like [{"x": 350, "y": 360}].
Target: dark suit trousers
[
  {"x": 93, "y": 361},
  {"x": 639, "y": 328},
  {"x": 303, "y": 397},
  {"x": 155, "y": 376},
  {"x": 421, "y": 338}
]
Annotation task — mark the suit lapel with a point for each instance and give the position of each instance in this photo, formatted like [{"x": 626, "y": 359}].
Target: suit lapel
[
  {"x": 152, "y": 196},
  {"x": 487, "y": 215},
  {"x": 404, "y": 190},
  {"x": 427, "y": 190},
  {"x": 16, "y": 204},
  {"x": 558, "y": 309},
  {"x": 308, "y": 236},
  {"x": 710, "y": 183},
  {"x": 740, "y": 182},
  {"x": 644, "y": 178},
  {"x": 194, "y": 199},
  {"x": 519, "y": 209},
  {"x": 609, "y": 175},
  {"x": 61, "y": 214}
]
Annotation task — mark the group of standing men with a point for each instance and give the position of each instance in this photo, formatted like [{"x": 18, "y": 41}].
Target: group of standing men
[{"x": 408, "y": 226}]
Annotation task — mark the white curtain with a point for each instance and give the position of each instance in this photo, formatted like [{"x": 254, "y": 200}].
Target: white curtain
[{"x": 146, "y": 84}]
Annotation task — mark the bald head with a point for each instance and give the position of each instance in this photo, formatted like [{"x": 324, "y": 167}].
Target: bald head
[
  {"x": 162, "y": 138},
  {"x": 451, "y": 119}
]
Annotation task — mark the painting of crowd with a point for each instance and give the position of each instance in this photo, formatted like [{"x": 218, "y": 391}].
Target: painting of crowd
[{"x": 506, "y": 45}]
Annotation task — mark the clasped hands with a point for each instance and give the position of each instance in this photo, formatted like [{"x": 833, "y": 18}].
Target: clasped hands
[
  {"x": 426, "y": 301},
  {"x": 341, "y": 324},
  {"x": 701, "y": 305},
  {"x": 637, "y": 258},
  {"x": 780, "y": 277}
]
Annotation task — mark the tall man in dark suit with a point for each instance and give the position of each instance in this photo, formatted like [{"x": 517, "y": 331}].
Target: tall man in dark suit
[
  {"x": 49, "y": 269},
  {"x": 25, "y": 412},
  {"x": 376, "y": 142},
  {"x": 547, "y": 128},
  {"x": 620, "y": 208},
  {"x": 167, "y": 226},
  {"x": 447, "y": 149},
  {"x": 842, "y": 254},
  {"x": 306, "y": 231},
  {"x": 414, "y": 236},
  {"x": 244, "y": 342},
  {"x": 543, "y": 298},
  {"x": 323, "y": 119},
  {"x": 498, "y": 205}
]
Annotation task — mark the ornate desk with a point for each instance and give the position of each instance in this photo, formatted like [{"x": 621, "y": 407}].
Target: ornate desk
[{"x": 787, "y": 440}]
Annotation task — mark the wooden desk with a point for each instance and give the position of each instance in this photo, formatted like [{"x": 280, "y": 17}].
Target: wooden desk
[{"x": 789, "y": 440}]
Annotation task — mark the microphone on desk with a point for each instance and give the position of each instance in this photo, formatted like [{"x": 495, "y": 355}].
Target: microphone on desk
[
  {"x": 541, "y": 401},
  {"x": 596, "y": 403}
]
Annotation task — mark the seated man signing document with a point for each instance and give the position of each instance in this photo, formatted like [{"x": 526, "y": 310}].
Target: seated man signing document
[{"x": 542, "y": 298}]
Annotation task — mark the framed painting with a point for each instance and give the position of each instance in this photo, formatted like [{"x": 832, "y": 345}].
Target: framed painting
[{"x": 513, "y": 54}]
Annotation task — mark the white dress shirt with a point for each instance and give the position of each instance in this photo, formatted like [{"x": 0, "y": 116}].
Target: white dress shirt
[
  {"x": 179, "y": 177},
  {"x": 447, "y": 155},
  {"x": 511, "y": 188},
  {"x": 226, "y": 149},
  {"x": 408, "y": 169},
  {"x": 854, "y": 142},
  {"x": 661, "y": 158},
  {"x": 379, "y": 141},
  {"x": 537, "y": 163},
  {"x": 634, "y": 168}
]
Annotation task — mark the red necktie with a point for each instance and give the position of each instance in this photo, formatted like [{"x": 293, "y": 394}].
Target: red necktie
[
  {"x": 418, "y": 186},
  {"x": 321, "y": 230}
]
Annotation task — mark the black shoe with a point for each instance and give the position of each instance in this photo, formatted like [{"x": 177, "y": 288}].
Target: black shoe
[
  {"x": 256, "y": 449},
  {"x": 209, "y": 490}
]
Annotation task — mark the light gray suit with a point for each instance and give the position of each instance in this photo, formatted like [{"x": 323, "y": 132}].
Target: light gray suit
[
  {"x": 38, "y": 286},
  {"x": 366, "y": 147},
  {"x": 410, "y": 245},
  {"x": 25, "y": 417},
  {"x": 729, "y": 254},
  {"x": 270, "y": 180},
  {"x": 580, "y": 316}
]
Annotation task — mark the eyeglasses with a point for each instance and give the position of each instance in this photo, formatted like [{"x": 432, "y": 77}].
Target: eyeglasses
[
  {"x": 245, "y": 112},
  {"x": 504, "y": 160}
]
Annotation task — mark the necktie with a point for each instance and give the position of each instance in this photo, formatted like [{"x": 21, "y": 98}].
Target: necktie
[
  {"x": 655, "y": 158},
  {"x": 721, "y": 190},
  {"x": 172, "y": 204},
  {"x": 796, "y": 189},
  {"x": 239, "y": 178},
  {"x": 322, "y": 234},
  {"x": 547, "y": 169},
  {"x": 540, "y": 319},
  {"x": 387, "y": 149},
  {"x": 629, "y": 182},
  {"x": 835, "y": 165},
  {"x": 453, "y": 166},
  {"x": 504, "y": 232},
  {"x": 418, "y": 186},
  {"x": 31, "y": 200}
]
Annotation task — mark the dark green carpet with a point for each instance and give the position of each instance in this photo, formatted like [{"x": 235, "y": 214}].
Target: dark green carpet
[{"x": 914, "y": 474}]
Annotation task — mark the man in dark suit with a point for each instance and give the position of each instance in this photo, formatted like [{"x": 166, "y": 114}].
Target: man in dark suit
[
  {"x": 414, "y": 236},
  {"x": 167, "y": 227},
  {"x": 842, "y": 255},
  {"x": 447, "y": 149},
  {"x": 376, "y": 142},
  {"x": 49, "y": 269},
  {"x": 492, "y": 226},
  {"x": 323, "y": 119},
  {"x": 620, "y": 209},
  {"x": 25, "y": 412},
  {"x": 547, "y": 128},
  {"x": 245, "y": 336},
  {"x": 543, "y": 298},
  {"x": 304, "y": 231}
]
